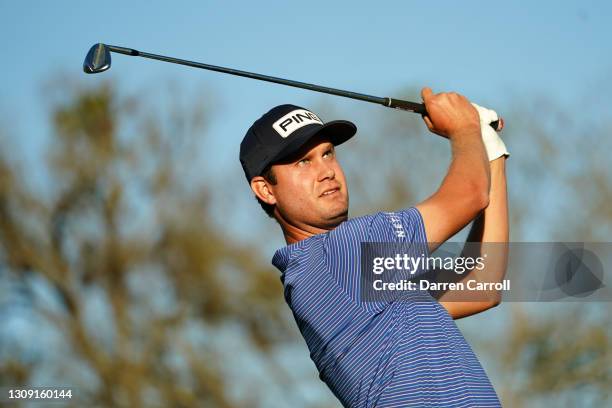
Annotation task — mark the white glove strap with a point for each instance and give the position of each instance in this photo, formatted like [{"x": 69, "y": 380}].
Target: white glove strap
[{"x": 494, "y": 145}]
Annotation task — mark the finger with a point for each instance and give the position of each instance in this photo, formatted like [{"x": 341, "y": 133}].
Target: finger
[
  {"x": 428, "y": 122},
  {"x": 426, "y": 93}
]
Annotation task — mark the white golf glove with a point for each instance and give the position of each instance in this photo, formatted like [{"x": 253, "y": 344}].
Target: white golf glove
[{"x": 494, "y": 145}]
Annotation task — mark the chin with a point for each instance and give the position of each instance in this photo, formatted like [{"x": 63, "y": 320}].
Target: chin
[{"x": 337, "y": 217}]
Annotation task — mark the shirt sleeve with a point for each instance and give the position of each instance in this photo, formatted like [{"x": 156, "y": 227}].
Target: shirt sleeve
[
  {"x": 396, "y": 251},
  {"x": 351, "y": 247},
  {"x": 404, "y": 226}
]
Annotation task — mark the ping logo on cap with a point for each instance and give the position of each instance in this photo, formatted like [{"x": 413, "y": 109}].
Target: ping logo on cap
[{"x": 295, "y": 120}]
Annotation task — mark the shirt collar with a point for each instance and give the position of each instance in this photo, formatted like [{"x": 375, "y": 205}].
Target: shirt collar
[{"x": 283, "y": 256}]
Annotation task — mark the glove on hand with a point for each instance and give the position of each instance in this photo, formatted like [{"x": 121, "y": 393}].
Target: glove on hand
[{"x": 494, "y": 145}]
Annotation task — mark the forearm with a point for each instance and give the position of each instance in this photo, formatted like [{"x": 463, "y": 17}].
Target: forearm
[
  {"x": 469, "y": 170},
  {"x": 463, "y": 193},
  {"x": 489, "y": 235},
  {"x": 491, "y": 230}
]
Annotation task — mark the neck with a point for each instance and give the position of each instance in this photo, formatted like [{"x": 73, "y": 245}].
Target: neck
[{"x": 296, "y": 233}]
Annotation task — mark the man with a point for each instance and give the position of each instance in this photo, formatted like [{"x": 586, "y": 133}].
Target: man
[{"x": 392, "y": 353}]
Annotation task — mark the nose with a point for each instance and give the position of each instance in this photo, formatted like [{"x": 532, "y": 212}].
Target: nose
[{"x": 326, "y": 171}]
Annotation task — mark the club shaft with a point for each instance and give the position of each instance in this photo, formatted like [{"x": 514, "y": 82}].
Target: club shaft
[
  {"x": 385, "y": 101},
  {"x": 297, "y": 84}
]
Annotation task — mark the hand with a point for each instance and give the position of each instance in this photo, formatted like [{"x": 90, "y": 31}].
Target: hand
[
  {"x": 494, "y": 145},
  {"x": 450, "y": 115}
]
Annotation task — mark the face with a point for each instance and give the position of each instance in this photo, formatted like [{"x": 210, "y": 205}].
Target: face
[{"x": 311, "y": 188}]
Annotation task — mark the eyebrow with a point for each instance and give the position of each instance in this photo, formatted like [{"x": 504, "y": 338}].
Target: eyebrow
[
  {"x": 329, "y": 146},
  {"x": 325, "y": 149}
]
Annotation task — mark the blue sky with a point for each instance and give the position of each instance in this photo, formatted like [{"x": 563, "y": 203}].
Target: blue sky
[{"x": 484, "y": 51}]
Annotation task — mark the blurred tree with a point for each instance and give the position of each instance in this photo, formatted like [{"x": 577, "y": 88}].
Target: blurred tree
[
  {"x": 122, "y": 226},
  {"x": 559, "y": 353},
  {"x": 151, "y": 302}
]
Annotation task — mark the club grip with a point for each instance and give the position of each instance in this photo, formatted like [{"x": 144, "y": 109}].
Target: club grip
[
  {"x": 420, "y": 109},
  {"x": 406, "y": 105}
]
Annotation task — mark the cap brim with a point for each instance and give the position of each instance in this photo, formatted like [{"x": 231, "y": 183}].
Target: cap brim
[{"x": 337, "y": 131}]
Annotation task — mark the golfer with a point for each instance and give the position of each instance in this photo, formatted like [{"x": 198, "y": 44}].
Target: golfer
[{"x": 387, "y": 353}]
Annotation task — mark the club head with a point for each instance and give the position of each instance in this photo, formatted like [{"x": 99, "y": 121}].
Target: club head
[{"x": 98, "y": 59}]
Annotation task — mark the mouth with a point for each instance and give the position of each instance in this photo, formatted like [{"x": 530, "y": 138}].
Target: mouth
[{"x": 330, "y": 192}]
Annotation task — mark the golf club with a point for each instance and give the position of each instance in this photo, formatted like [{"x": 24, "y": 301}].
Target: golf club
[{"x": 98, "y": 59}]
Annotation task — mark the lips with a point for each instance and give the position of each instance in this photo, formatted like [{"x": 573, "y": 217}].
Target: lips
[{"x": 330, "y": 191}]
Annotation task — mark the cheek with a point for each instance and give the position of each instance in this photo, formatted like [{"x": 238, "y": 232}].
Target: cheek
[
  {"x": 294, "y": 190},
  {"x": 300, "y": 182}
]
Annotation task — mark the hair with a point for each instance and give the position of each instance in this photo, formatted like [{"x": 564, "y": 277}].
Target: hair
[{"x": 268, "y": 174}]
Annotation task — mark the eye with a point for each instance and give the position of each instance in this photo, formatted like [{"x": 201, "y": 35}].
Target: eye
[
  {"x": 329, "y": 153},
  {"x": 303, "y": 162}
]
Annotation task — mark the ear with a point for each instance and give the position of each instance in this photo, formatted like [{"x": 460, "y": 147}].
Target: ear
[{"x": 262, "y": 190}]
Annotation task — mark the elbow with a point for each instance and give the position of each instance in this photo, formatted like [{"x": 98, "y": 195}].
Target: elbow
[
  {"x": 494, "y": 300},
  {"x": 482, "y": 200},
  {"x": 479, "y": 197}
]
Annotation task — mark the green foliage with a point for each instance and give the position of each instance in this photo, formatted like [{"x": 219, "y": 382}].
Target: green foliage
[
  {"x": 123, "y": 262},
  {"x": 120, "y": 219}
]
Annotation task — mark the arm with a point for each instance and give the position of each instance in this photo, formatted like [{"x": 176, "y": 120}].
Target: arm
[
  {"x": 465, "y": 189},
  {"x": 490, "y": 227}
]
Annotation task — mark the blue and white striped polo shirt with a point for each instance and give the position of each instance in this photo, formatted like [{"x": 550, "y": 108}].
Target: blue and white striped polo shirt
[{"x": 396, "y": 353}]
